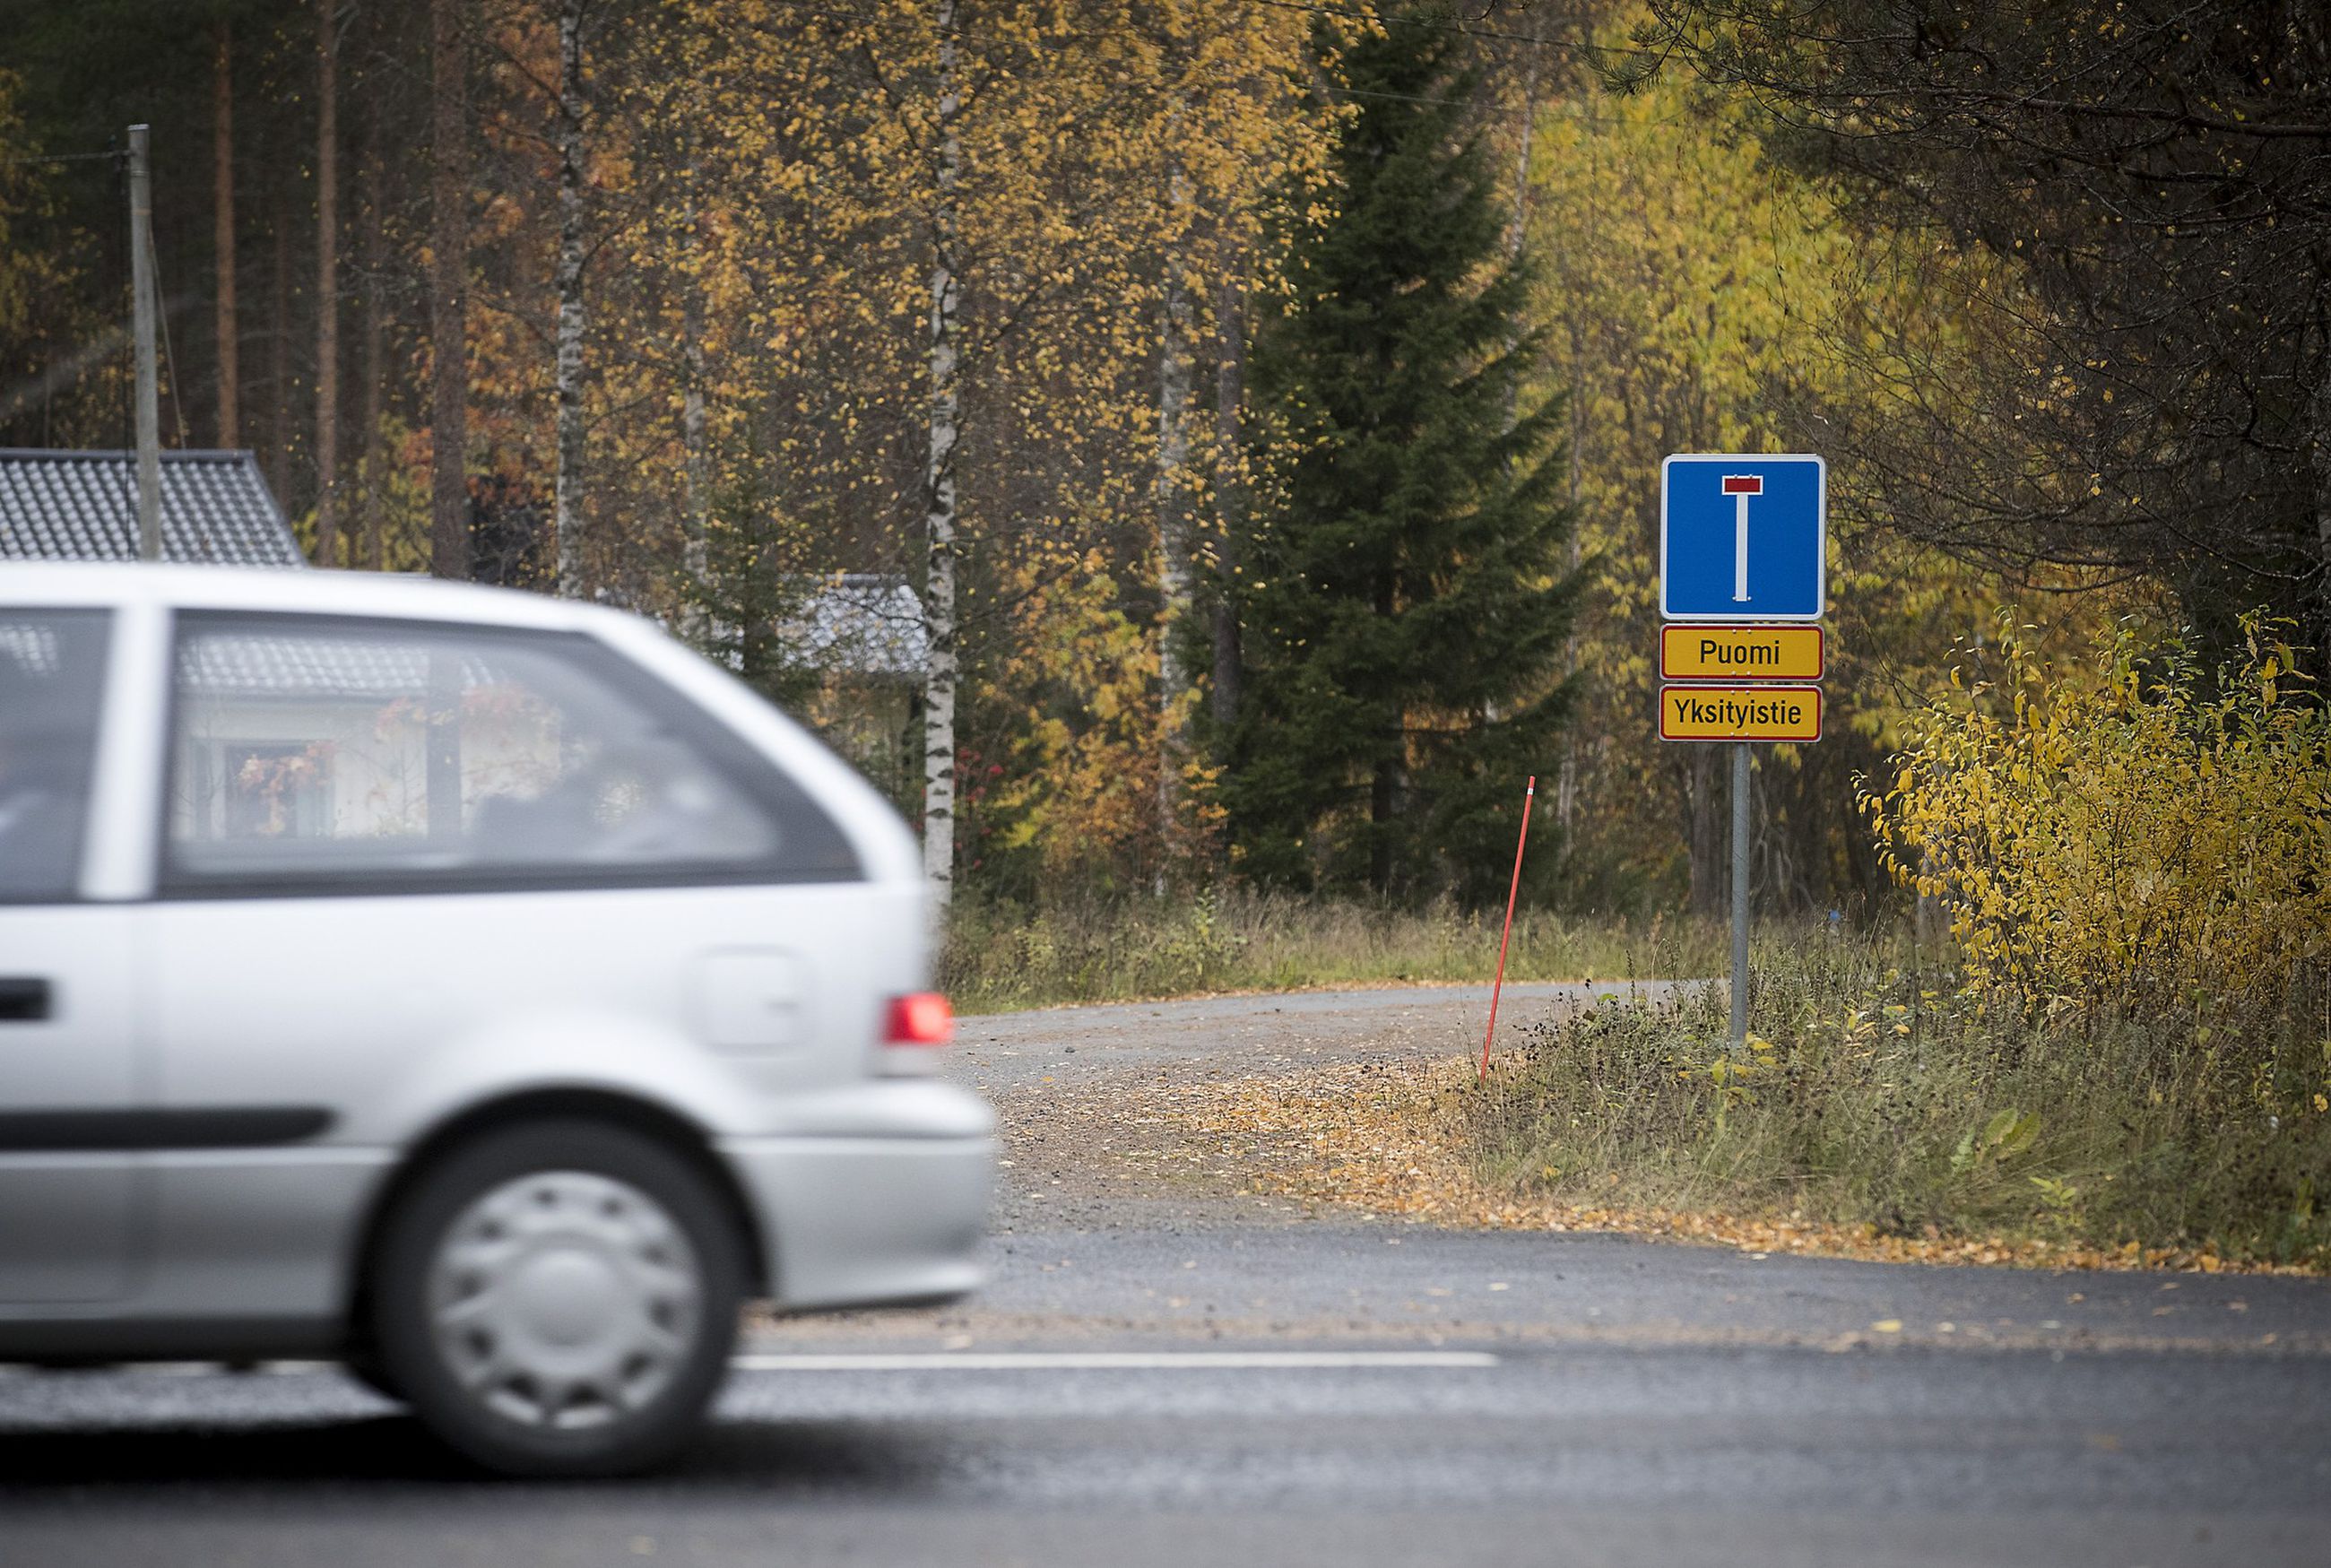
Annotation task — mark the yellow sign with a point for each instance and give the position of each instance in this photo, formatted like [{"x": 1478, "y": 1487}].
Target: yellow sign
[
  {"x": 1740, "y": 652},
  {"x": 1740, "y": 712}
]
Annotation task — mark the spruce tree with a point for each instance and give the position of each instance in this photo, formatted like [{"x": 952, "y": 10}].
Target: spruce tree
[{"x": 1405, "y": 601}]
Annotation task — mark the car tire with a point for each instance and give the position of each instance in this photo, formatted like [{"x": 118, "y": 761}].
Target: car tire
[{"x": 559, "y": 1299}]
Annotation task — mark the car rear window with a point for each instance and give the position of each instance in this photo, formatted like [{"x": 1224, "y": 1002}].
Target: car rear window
[
  {"x": 313, "y": 754},
  {"x": 52, "y": 684}
]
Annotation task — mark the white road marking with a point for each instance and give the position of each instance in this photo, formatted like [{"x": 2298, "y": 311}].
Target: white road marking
[
  {"x": 1110, "y": 1360},
  {"x": 964, "y": 1360}
]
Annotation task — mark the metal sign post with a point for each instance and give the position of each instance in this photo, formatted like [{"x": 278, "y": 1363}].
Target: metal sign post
[
  {"x": 1739, "y": 894},
  {"x": 1716, "y": 673}
]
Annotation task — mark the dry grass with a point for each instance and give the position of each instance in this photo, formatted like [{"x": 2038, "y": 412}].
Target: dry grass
[
  {"x": 1884, "y": 1113},
  {"x": 1887, "y": 1105},
  {"x": 1001, "y": 956},
  {"x": 1403, "y": 1140}
]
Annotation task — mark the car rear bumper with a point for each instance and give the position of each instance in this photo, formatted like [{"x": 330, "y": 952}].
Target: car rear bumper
[{"x": 862, "y": 1221}]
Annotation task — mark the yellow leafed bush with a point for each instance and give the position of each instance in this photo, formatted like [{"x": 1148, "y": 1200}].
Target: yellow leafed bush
[{"x": 2158, "y": 837}]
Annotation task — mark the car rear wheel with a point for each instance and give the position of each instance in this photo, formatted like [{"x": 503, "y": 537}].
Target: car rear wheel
[{"x": 559, "y": 1299}]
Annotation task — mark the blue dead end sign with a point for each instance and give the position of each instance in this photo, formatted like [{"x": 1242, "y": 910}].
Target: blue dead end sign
[{"x": 1743, "y": 538}]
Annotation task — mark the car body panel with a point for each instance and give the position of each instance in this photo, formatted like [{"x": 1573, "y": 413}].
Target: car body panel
[
  {"x": 860, "y": 1222},
  {"x": 366, "y": 1022},
  {"x": 70, "y": 1217}
]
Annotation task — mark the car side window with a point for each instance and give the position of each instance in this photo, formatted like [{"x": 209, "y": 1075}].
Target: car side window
[
  {"x": 311, "y": 754},
  {"x": 52, "y": 689}
]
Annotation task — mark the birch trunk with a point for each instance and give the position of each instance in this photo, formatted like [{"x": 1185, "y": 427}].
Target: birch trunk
[
  {"x": 1230, "y": 495},
  {"x": 228, "y": 328},
  {"x": 449, "y": 244},
  {"x": 567, "y": 374},
  {"x": 327, "y": 286},
  {"x": 1172, "y": 543},
  {"x": 939, "y": 494}
]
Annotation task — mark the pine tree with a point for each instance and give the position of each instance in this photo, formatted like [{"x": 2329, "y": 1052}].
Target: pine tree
[{"x": 1404, "y": 602}]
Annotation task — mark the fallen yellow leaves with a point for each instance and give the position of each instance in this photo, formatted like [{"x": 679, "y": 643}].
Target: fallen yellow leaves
[{"x": 1384, "y": 1137}]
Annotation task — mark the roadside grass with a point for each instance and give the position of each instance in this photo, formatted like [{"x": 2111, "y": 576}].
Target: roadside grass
[
  {"x": 1000, "y": 957},
  {"x": 1881, "y": 1099}
]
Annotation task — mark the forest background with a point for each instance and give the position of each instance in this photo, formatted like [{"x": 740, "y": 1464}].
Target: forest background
[{"x": 693, "y": 306}]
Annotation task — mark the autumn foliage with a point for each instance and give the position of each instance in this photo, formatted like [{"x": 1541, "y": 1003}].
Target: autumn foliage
[
  {"x": 1023, "y": 305},
  {"x": 2147, "y": 838}
]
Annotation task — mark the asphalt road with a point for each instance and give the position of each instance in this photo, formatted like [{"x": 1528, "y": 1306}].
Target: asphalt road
[{"x": 1194, "y": 1376}]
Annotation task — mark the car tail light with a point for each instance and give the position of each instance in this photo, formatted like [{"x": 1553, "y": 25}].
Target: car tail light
[{"x": 922, "y": 1019}]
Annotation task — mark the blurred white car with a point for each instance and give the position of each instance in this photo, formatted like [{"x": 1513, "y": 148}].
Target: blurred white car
[{"x": 477, "y": 987}]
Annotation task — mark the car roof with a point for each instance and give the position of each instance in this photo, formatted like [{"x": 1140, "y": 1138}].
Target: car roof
[{"x": 397, "y": 595}]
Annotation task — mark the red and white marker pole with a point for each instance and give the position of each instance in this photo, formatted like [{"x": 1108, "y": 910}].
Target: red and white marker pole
[{"x": 1529, "y": 797}]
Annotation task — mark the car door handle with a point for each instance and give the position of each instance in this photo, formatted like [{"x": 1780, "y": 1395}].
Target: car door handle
[{"x": 24, "y": 999}]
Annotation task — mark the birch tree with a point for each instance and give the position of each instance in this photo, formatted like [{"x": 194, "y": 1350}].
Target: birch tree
[
  {"x": 1175, "y": 350},
  {"x": 567, "y": 482},
  {"x": 939, "y": 668}
]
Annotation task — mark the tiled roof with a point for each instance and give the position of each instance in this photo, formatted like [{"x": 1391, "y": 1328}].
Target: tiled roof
[
  {"x": 83, "y": 505},
  {"x": 318, "y": 668},
  {"x": 861, "y": 623}
]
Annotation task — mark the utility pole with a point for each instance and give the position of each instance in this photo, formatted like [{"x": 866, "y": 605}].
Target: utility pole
[{"x": 141, "y": 289}]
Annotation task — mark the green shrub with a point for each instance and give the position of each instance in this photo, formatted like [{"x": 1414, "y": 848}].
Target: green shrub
[{"x": 2131, "y": 839}]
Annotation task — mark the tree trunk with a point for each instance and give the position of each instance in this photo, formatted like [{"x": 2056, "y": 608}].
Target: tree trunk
[
  {"x": 1383, "y": 796},
  {"x": 1926, "y": 925},
  {"x": 939, "y": 494},
  {"x": 1384, "y": 786},
  {"x": 1230, "y": 495},
  {"x": 1706, "y": 819},
  {"x": 228, "y": 330},
  {"x": 327, "y": 286},
  {"x": 448, "y": 244},
  {"x": 370, "y": 459},
  {"x": 1172, "y": 538},
  {"x": 565, "y": 509},
  {"x": 694, "y": 543},
  {"x": 2319, "y": 418},
  {"x": 278, "y": 350},
  {"x": 1517, "y": 225},
  {"x": 1565, "y": 793}
]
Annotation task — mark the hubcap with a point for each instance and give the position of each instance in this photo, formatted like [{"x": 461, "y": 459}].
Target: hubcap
[{"x": 564, "y": 1298}]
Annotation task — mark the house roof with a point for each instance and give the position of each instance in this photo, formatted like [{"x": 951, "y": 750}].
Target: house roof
[
  {"x": 330, "y": 667},
  {"x": 860, "y": 622},
  {"x": 83, "y": 505}
]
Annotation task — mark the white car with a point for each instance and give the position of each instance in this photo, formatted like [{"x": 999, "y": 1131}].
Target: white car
[{"x": 479, "y": 988}]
